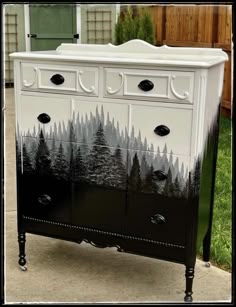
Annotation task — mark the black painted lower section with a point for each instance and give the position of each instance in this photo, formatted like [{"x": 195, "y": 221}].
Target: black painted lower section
[
  {"x": 207, "y": 188},
  {"x": 98, "y": 207},
  {"x": 143, "y": 211},
  {"x": 44, "y": 197}
]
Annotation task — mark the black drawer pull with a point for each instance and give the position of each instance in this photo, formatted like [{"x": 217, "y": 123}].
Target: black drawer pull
[
  {"x": 158, "y": 219},
  {"x": 162, "y": 130},
  {"x": 57, "y": 79},
  {"x": 146, "y": 85},
  {"x": 160, "y": 175},
  {"x": 44, "y": 200},
  {"x": 44, "y": 118}
]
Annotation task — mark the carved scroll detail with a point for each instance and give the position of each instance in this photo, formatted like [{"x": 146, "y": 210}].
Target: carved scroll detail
[
  {"x": 26, "y": 84},
  {"x": 92, "y": 88},
  {"x": 101, "y": 245},
  {"x": 186, "y": 93},
  {"x": 112, "y": 92}
]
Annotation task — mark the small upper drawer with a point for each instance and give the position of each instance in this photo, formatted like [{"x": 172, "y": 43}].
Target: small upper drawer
[
  {"x": 58, "y": 78},
  {"x": 161, "y": 85}
]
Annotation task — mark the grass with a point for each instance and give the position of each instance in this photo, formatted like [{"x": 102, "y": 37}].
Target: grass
[{"x": 221, "y": 241}]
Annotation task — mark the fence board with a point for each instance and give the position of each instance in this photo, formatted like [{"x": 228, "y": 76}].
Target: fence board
[{"x": 159, "y": 23}]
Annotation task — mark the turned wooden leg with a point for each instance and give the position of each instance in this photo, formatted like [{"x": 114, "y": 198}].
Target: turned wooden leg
[
  {"x": 206, "y": 248},
  {"x": 189, "y": 274},
  {"x": 21, "y": 241}
]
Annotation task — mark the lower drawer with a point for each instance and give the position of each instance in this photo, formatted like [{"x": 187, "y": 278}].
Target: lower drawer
[
  {"x": 157, "y": 217},
  {"x": 44, "y": 197}
]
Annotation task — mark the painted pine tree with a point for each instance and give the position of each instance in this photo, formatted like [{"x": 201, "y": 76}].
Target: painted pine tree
[
  {"x": 128, "y": 163},
  {"x": 59, "y": 132},
  {"x": 84, "y": 149},
  {"x": 100, "y": 161},
  {"x": 53, "y": 151},
  {"x": 80, "y": 169},
  {"x": 32, "y": 150},
  {"x": 149, "y": 182},
  {"x": 176, "y": 187},
  {"x": 27, "y": 164},
  {"x": 144, "y": 169},
  {"x": 43, "y": 165},
  {"x": 196, "y": 177},
  {"x": 134, "y": 181},
  {"x": 60, "y": 165},
  {"x": 164, "y": 159},
  {"x": 71, "y": 150},
  {"x": 119, "y": 169},
  {"x": 168, "y": 187}
]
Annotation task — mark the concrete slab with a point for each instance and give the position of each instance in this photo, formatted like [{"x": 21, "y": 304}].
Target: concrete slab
[{"x": 60, "y": 271}]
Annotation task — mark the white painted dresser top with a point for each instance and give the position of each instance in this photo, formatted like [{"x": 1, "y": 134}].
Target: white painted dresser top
[{"x": 132, "y": 52}]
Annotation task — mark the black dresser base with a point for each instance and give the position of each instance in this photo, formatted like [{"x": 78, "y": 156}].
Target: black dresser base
[{"x": 100, "y": 238}]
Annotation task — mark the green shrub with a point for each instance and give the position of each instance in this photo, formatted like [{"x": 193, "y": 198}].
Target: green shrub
[
  {"x": 119, "y": 32},
  {"x": 135, "y": 27}
]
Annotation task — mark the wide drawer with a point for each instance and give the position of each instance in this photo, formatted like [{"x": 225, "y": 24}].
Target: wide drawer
[
  {"x": 80, "y": 80},
  {"x": 161, "y": 129},
  {"x": 158, "y": 218},
  {"x": 158, "y": 173},
  {"x": 149, "y": 84}
]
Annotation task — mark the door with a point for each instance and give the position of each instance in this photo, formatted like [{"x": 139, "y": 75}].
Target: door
[{"x": 51, "y": 25}]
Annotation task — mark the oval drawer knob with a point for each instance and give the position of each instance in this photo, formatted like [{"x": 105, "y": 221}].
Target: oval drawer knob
[
  {"x": 44, "y": 200},
  {"x": 162, "y": 130},
  {"x": 158, "y": 219},
  {"x": 146, "y": 85},
  {"x": 160, "y": 175},
  {"x": 44, "y": 118},
  {"x": 57, "y": 79}
]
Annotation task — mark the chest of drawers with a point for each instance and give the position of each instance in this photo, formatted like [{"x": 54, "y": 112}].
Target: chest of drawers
[{"x": 116, "y": 146}]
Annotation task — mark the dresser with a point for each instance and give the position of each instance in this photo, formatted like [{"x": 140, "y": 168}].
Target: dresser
[{"x": 116, "y": 146}]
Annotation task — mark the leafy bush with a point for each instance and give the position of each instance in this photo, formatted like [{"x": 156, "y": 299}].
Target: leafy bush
[{"x": 134, "y": 27}]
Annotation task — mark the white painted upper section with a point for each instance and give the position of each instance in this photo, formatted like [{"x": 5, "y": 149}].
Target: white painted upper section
[{"x": 132, "y": 52}]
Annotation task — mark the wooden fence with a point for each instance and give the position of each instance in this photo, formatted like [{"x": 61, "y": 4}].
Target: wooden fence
[{"x": 207, "y": 26}]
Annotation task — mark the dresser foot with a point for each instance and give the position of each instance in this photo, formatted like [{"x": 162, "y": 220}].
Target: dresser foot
[
  {"x": 206, "y": 246},
  {"x": 23, "y": 268},
  {"x": 189, "y": 274},
  {"x": 22, "y": 260},
  {"x": 121, "y": 250},
  {"x": 188, "y": 299}
]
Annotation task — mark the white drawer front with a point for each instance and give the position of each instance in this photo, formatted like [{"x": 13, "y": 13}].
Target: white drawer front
[
  {"x": 52, "y": 115},
  {"x": 149, "y": 84},
  {"x": 60, "y": 79},
  {"x": 148, "y": 133}
]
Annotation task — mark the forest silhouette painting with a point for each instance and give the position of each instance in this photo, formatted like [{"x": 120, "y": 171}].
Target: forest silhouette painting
[{"x": 99, "y": 153}]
